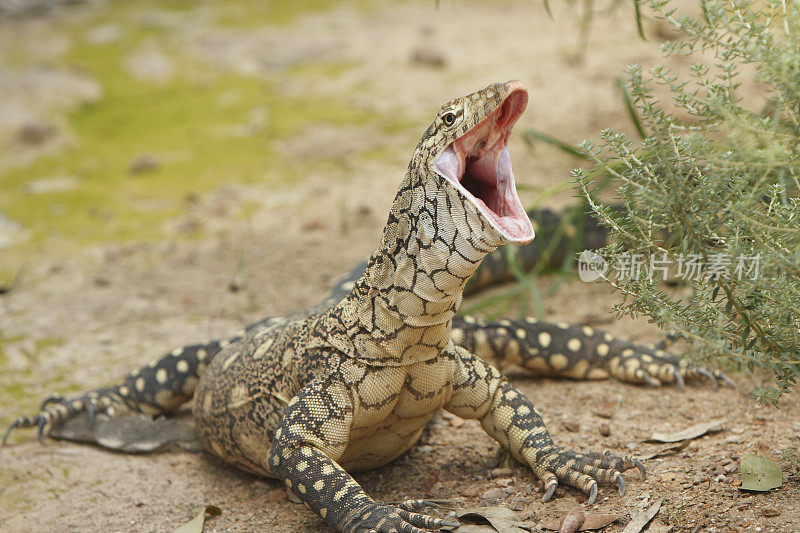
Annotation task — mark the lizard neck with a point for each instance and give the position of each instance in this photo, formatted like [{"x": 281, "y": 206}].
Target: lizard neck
[{"x": 433, "y": 242}]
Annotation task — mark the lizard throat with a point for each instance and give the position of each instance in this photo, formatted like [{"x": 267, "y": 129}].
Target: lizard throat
[{"x": 478, "y": 165}]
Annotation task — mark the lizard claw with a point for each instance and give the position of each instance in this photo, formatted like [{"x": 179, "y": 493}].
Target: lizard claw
[
  {"x": 708, "y": 375},
  {"x": 397, "y": 518},
  {"x": 40, "y": 428},
  {"x": 584, "y": 471},
  {"x": 726, "y": 380},
  {"x": 52, "y": 398},
  {"x": 640, "y": 466},
  {"x": 550, "y": 491},
  {"x": 678, "y": 379},
  {"x": 11, "y": 428},
  {"x": 91, "y": 412},
  {"x": 56, "y": 409},
  {"x": 593, "y": 494},
  {"x": 650, "y": 380},
  {"x": 413, "y": 505}
]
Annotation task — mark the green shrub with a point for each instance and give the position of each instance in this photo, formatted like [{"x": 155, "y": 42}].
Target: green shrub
[{"x": 714, "y": 180}]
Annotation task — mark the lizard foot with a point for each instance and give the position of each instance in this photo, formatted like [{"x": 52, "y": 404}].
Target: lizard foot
[
  {"x": 385, "y": 518},
  {"x": 56, "y": 409},
  {"x": 654, "y": 366},
  {"x": 582, "y": 471}
]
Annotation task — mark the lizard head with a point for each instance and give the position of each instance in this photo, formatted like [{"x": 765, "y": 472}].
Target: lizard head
[{"x": 467, "y": 146}]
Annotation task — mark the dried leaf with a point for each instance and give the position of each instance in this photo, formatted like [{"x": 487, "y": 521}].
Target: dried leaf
[
  {"x": 573, "y": 521},
  {"x": 665, "y": 450},
  {"x": 640, "y": 519},
  {"x": 195, "y": 525},
  {"x": 760, "y": 473},
  {"x": 131, "y": 433},
  {"x": 591, "y": 521},
  {"x": 553, "y": 524},
  {"x": 598, "y": 521},
  {"x": 689, "y": 433},
  {"x": 502, "y": 519},
  {"x": 656, "y": 527}
]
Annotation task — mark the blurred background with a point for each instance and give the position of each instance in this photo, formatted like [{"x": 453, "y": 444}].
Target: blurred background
[{"x": 118, "y": 120}]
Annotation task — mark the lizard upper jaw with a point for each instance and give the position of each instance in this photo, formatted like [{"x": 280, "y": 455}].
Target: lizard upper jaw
[{"x": 478, "y": 164}]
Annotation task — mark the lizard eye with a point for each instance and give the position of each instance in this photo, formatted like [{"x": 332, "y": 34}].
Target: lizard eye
[{"x": 449, "y": 119}]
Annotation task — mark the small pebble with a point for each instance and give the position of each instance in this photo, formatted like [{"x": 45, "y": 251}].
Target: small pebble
[{"x": 143, "y": 163}]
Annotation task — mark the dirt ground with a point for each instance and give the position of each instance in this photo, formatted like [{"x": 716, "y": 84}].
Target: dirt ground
[{"x": 81, "y": 318}]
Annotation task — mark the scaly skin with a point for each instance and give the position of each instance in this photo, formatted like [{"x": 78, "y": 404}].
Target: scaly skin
[{"x": 308, "y": 399}]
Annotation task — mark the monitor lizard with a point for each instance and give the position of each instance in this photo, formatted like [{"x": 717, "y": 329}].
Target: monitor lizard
[{"x": 351, "y": 384}]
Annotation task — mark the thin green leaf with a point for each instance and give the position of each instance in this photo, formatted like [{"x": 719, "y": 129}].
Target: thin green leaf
[
  {"x": 638, "y": 13},
  {"x": 531, "y": 135},
  {"x": 630, "y": 108},
  {"x": 547, "y": 8}
]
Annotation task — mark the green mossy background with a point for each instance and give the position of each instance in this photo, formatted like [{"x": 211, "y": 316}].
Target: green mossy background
[{"x": 206, "y": 126}]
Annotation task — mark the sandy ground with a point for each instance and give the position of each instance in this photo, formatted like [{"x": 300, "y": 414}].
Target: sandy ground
[{"x": 113, "y": 307}]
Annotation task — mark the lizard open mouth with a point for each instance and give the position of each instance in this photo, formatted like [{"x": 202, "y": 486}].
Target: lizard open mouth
[{"x": 478, "y": 164}]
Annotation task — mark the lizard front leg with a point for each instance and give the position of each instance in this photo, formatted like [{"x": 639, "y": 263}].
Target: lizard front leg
[
  {"x": 313, "y": 434},
  {"x": 481, "y": 392}
]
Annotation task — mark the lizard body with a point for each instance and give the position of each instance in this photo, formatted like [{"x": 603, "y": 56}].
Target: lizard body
[{"x": 350, "y": 386}]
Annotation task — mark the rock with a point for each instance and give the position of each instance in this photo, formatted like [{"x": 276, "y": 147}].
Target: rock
[
  {"x": 470, "y": 492},
  {"x": 9, "y": 232},
  {"x": 34, "y": 133},
  {"x": 428, "y": 57},
  {"x": 604, "y": 429},
  {"x": 105, "y": 34},
  {"x": 51, "y": 185},
  {"x": 572, "y": 427},
  {"x": 29, "y": 8},
  {"x": 493, "y": 496},
  {"x": 149, "y": 63},
  {"x": 500, "y": 472},
  {"x": 143, "y": 163}
]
